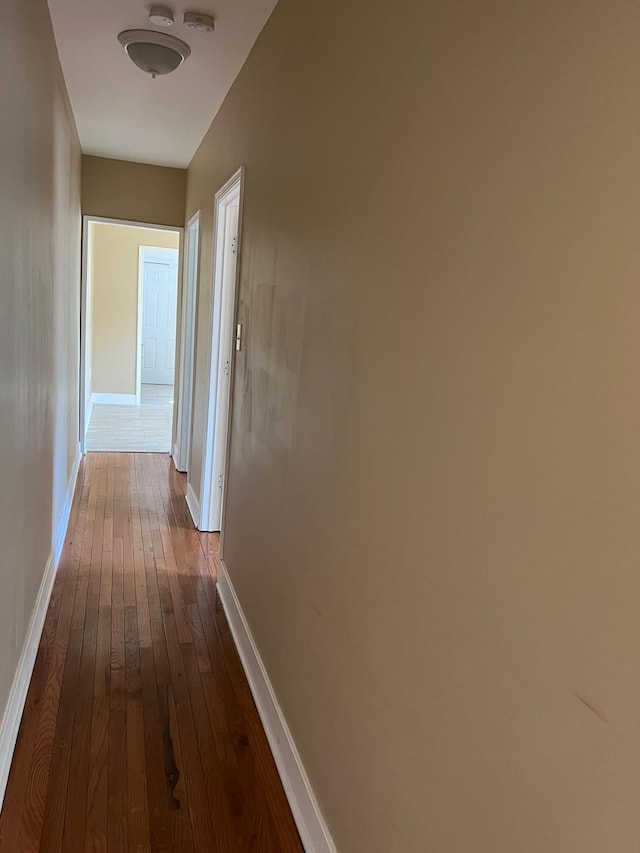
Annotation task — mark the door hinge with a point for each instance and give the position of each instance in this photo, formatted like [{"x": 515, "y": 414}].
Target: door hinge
[
  {"x": 220, "y": 481},
  {"x": 239, "y": 337},
  {"x": 227, "y": 368},
  {"x": 234, "y": 245}
]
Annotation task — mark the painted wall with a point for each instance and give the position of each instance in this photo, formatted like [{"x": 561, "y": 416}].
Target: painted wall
[
  {"x": 118, "y": 189},
  {"x": 115, "y": 254},
  {"x": 434, "y": 487},
  {"x": 40, "y": 316}
]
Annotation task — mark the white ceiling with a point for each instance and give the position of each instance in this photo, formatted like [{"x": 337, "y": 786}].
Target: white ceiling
[{"x": 120, "y": 111}]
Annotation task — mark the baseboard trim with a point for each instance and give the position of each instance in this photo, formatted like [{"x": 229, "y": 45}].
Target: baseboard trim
[
  {"x": 194, "y": 505},
  {"x": 88, "y": 412},
  {"x": 306, "y": 812},
  {"x": 60, "y": 531},
  {"x": 18, "y": 695},
  {"x": 114, "y": 400}
]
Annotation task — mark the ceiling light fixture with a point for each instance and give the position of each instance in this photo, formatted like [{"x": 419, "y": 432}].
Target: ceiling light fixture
[
  {"x": 155, "y": 53},
  {"x": 161, "y": 16}
]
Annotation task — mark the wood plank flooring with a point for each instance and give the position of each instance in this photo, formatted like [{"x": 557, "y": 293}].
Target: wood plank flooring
[
  {"x": 134, "y": 429},
  {"x": 139, "y": 731}
]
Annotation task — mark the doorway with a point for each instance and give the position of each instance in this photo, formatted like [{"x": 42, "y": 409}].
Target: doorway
[
  {"x": 206, "y": 503},
  {"x": 128, "y": 335}
]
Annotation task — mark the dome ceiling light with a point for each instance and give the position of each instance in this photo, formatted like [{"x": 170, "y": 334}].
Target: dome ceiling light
[{"x": 153, "y": 52}]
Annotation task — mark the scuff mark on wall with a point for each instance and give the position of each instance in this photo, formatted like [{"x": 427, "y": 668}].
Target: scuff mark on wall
[{"x": 594, "y": 710}]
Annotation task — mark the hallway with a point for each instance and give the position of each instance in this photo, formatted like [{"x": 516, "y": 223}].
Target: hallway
[{"x": 139, "y": 731}]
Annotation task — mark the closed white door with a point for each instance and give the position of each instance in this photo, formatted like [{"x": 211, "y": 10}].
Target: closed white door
[{"x": 159, "y": 307}]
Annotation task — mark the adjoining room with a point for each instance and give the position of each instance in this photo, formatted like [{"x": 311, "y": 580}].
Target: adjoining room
[{"x": 131, "y": 315}]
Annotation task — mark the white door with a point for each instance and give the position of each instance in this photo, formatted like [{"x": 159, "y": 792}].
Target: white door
[
  {"x": 208, "y": 515},
  {"x": 159, "y": 307},
  {"x": 225, "y": 344}
]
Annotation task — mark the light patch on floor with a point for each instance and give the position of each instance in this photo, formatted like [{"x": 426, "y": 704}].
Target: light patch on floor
[{"x": 136, "y": 429}]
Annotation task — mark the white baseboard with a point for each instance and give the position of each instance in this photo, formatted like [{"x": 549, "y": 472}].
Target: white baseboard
[
  {"x": 194, "y": 505},
  {"x": 63, "y": 519},
  {"x": 18, "y": 695},
  {"x": 88, "y": 411},
  {"x": 114, "y": 400},
  {"x": 306, "y": 812}
]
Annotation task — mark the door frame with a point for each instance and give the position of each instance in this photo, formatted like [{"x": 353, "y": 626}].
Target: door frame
[
  {"x": 145, "y": 253},
  {"x": 84, "y": 398},
  {"x": 187, "y": 347},
  {"x": 219, "y": 404}
]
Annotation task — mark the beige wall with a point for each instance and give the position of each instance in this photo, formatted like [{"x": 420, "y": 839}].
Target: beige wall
[
  {"x": 118, "y": 189},
  {"x": 115, "y": 255},
  {"x": 432, "y": 519},
  {"x": 40, "y": 316}
]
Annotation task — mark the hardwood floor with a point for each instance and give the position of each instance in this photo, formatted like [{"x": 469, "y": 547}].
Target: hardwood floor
[{"x": 139, "y": 731}]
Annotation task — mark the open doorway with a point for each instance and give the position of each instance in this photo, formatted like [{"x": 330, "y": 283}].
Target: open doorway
[
  {"x": 129, "y": 319},
  {"x": 206, "y": 487}
]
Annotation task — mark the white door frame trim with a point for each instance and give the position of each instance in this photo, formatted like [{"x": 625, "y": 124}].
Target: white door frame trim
[
  {"x": 85, "y": 286},
  {"x": 235, "y": 182},
  {"x": 139, "y": 324},
  {"x": 186, "y": 350}
]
